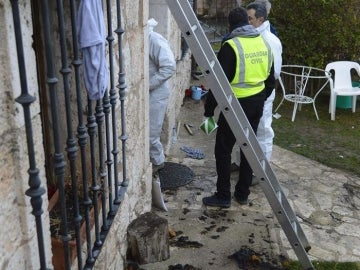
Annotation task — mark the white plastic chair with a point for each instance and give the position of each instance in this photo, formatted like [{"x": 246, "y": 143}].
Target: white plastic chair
[{"x": 341, "y": 84}]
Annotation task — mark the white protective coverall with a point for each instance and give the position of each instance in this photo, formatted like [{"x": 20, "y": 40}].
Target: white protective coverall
[
  {"x": 265, "y": 133},
  {"x": 162, "y": 66}
]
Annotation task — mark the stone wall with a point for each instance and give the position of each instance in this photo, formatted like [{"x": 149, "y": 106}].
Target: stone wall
[
  {"x": 215, "y": 8},
  {"x": 18, "y": 248}
]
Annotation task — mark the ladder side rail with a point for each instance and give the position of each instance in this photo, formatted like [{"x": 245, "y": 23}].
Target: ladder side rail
[
  {"x": 278, "y": 201},
  {"x": 271, "y": 177},
  {"x": 245, "y": 136},
  {"x": 189, "y": 27}
]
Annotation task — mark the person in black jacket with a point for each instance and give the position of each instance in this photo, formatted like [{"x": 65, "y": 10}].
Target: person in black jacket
[{"x": 247, "y": 67}]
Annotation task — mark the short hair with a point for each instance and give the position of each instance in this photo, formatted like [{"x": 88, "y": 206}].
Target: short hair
[
  {"x": 260, "y": 9},
  {"x": 266, "y": 3},
  {"x": 238, "y": 17}
]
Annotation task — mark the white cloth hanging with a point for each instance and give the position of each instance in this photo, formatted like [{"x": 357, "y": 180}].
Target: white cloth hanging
[{"x": 91, "y": 35}]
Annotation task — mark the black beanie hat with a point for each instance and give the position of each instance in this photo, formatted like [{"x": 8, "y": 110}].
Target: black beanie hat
[{"x": 238, "y": 17}]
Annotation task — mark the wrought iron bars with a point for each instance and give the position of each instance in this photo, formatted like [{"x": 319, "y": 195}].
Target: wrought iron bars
[
  {"x": 71, "y": 141},
  {"x": 109, "y": 102},
  {"x": 59, "y": 163},
  {"x": 81, "y": 132},
  {"x": 122, "y": 87},
  {"x": 94, "y": 186},
  {"x": 106, "y": 102},
  {"x": 35, "y": 190}
]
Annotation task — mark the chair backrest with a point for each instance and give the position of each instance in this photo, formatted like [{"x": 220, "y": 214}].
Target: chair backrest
[{"x": 342, "y": 69}]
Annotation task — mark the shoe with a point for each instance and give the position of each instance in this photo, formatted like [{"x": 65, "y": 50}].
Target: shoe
[
  {"x": 214, "y": 200},
  {"x": 254, "y": 181},
  {"x": 234, "y": 167},
  {"x": 157, "y": 168},
  {"x": 241, "y": 200}
]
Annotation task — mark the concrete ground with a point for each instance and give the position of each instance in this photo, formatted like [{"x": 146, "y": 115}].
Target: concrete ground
[{"x": 326, "y": 201}]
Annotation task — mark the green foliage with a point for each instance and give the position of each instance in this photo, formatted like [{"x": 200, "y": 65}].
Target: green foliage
[
  {"x": 316, "y": 32},
  {"x": 326, "y": 266}
]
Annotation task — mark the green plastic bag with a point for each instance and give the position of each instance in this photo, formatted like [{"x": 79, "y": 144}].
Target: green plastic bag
[{"x": 209, "y": 125}]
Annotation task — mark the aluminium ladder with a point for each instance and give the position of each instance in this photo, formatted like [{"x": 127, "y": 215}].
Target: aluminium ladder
[{"x": 245, "y": 137}]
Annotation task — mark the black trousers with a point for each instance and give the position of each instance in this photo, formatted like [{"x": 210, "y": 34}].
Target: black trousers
[{"x": 225, "y": 141}]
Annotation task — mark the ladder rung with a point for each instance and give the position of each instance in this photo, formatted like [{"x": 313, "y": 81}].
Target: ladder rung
[
  {"x": 279, "y": 196},
  {"x": 263, "y": 164},
  {"x": 194, "y": 27},
  {"x": 247, "y": 132},
  {"x": 212, "y": 63},
  {"x": 295, "y": 227}
]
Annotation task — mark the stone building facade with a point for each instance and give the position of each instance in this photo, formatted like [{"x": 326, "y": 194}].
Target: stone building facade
[
  {"x": 215, "y": 8},
  {"x": 19, "y": 247}
]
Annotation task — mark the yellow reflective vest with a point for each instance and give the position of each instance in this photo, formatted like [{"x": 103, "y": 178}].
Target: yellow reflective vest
[{"x": 253, "y": 63}]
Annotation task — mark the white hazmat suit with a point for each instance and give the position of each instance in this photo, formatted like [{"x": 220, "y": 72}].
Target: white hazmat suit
[
  {"x": 162, "y": 66},
  {"x": 265, "y": 133}
]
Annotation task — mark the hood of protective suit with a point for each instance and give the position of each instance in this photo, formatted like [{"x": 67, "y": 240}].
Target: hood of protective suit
[
  {"x": 265, "y": 26},
  {"x": 151, "y": 23}
]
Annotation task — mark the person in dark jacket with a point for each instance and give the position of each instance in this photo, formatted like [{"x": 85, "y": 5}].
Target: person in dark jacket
[{"x": 247, "y": 60}]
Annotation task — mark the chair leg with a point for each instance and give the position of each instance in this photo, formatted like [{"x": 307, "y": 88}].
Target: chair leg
[
  {"x": 332, "y": 106},
  {"x": 294, "y": 111},
  {"x": 333, "y": 113},
  {"x": 354, "y": 99},
  {"x": 316, "y": 114},
  {"x": 281, "y": 102}
]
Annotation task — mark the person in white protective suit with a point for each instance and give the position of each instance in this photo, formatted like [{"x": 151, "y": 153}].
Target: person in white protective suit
[
  {"x": 267, "y": 4},
  {"x": 258, "y": 18},
  {"x": 265, "y": 134},
  {"x": 162, "y": 66}
]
